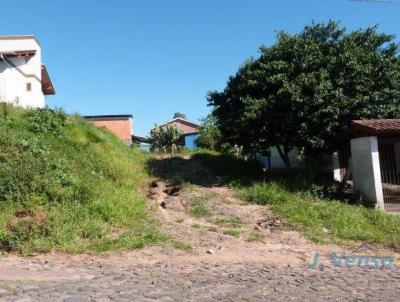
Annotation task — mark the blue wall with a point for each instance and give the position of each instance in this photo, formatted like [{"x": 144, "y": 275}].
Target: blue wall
[{"x": 190, "y": 141}]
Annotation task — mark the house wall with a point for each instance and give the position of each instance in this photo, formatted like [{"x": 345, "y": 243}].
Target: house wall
[
  {"x": 276, "y": 160},
  {"x": 366, "y": 170},
  {"x": 13, "y": 80},
  {"x": 190, "y": 141},
  {"x": 122, "y": 128}
]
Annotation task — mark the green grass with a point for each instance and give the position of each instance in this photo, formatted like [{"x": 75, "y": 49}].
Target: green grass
[
  {"x": 234, "y": 222},
  {"x": 233, "y": 233},
  {"x": 80, "y": 184},
  {"x": 196, "y": 226},
  {"x": 255, "y": 237},
  {"x": 324, "y": 220},
  {"x": 199, "y": 208},
  {"x": 182, "y": 246},
  {"x": 305, "y": 199}
]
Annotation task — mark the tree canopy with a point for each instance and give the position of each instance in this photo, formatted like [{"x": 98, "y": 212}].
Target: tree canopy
[
  {"x": 179, "y": 115},
  {"x": 209, "y": 134},
  {"x": 306, "y": 88}
]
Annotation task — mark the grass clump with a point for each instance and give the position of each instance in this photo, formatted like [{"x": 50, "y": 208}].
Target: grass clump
[
  {"x": 233, "y": 222},
  {"x": 199, "y": 210},
  {"x": 196, "y": 226},
  {"x": 182, "y": 246},
  {"x": 255, "y": 237},
  {"x": 233, "y": 233},
  {"x": 199, "y": 207},
  {"x": 67, "y": 185}
]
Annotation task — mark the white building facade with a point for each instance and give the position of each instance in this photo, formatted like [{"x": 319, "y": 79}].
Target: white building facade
[{"x": 24, "y": 80}]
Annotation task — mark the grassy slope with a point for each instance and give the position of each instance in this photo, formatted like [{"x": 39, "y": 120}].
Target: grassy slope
[
  {"x": 322, "y": 220},
  {"x": 68, "y": 186}
]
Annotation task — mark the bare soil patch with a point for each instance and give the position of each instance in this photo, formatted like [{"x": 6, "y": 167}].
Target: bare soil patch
[{"x": 219, "y": 226}]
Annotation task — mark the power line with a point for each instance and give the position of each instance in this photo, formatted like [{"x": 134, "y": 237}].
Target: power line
[{"x": 377, "y": 1}]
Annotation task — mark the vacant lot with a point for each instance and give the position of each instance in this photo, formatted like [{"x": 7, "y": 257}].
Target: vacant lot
[
  {"x": 207, "y": 226},
  {"x": 229, "y": 250}
]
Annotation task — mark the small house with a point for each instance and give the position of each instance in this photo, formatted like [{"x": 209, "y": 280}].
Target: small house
[
  {"x": 190, "y": 131},
  {"x": 121, "y": 125},
  {"x": 24, "y": 80}
]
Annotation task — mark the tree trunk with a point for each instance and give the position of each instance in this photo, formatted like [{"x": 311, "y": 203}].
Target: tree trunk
[{"x": 269, "y": 163}]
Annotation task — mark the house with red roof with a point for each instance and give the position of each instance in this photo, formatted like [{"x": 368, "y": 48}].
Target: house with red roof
[{"x": 189, "y": 130}]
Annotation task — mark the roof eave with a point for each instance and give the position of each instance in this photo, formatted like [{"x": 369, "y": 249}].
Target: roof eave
[{"x": 47, "y": 85}]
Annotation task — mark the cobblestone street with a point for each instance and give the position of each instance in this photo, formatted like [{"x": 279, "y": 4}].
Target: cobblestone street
[{"x": 201, "y": 282}]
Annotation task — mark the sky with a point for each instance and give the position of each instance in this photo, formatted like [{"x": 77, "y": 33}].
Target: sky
[{"x": 151, "y": 58}]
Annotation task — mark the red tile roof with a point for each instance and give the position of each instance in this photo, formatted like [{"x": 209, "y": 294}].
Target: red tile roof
[
  {"x": 18, "y": 53},
  {"x": 47, "y": 85},
  {"x": 381, "y": 127}
]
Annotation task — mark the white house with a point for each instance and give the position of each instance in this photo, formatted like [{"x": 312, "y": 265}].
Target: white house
[{"x": 24, "y": 80}]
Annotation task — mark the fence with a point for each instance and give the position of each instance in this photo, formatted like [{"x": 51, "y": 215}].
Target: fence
[{"x": 389, "y": 157}]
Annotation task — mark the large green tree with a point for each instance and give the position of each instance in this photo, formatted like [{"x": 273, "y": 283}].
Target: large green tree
[{"x": 306, "y": 88}]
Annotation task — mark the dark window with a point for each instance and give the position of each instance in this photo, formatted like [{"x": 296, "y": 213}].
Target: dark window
[{"x": 28, "y": 86}]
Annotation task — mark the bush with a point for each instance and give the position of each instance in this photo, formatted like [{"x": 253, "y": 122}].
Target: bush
[
  {"x": 165, "y": 139},
  {"x": 41, "y": 121}
]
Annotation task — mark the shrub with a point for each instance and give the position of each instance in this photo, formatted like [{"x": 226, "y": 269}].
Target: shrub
[
  {"x": 165, "y": 139},
  {"x": 46, "y": 120}
]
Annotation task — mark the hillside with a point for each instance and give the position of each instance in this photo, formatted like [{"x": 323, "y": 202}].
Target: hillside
[{"x": 66, "y": 185}]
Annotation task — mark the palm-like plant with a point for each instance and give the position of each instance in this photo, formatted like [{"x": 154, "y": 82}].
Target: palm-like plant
[{"x": 165, "y": 139}]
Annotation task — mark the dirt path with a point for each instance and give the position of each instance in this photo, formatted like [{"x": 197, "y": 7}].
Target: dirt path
[
  {"x": 221, "y": 228},
  {"x": 228, "y": 250}
]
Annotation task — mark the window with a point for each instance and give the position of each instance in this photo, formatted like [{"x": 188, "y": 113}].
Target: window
[{"x": 28, "y": 87}]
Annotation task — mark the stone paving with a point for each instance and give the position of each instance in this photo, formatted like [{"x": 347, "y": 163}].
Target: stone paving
[{"x": 207, "y": 282}]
